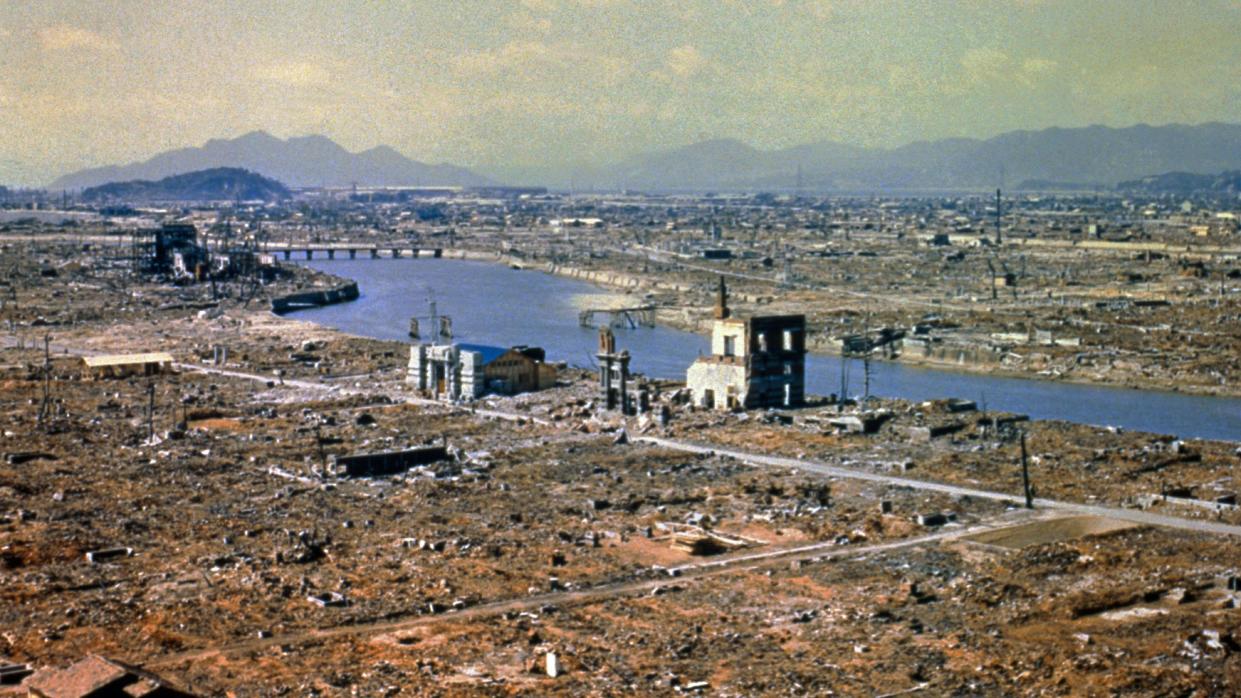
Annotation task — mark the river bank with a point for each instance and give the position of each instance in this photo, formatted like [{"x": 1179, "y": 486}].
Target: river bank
[
  {"x": 696, "y": 319},
  {"x": 502, "y": 306},
  {"x": 249, "y": 564}
]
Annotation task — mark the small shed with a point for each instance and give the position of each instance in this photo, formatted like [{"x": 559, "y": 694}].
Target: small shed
[{"x": 124, "y": 365}]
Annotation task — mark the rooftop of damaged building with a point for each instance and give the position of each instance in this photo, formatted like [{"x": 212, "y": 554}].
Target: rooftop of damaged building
[{"x": 99, "y": 677}]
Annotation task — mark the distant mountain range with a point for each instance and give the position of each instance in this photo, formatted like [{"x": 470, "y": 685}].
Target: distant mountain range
[
  {"x": 216, "y": 184},
  {"x": 1186, "y": 183},
  {"x": 298, "y": 162},
  {"x": 1056, "y": 158},
  {"x": 1079, "y": 158}
]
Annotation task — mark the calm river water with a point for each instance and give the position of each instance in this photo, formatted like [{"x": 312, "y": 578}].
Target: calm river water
[{"x": 495, "y": 305}]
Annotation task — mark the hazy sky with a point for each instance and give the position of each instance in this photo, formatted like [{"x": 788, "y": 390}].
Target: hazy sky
[{"x": 495, "y": 83}]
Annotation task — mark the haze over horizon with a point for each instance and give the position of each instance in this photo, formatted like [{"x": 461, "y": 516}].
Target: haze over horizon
[{"x": 504, "y": 86}]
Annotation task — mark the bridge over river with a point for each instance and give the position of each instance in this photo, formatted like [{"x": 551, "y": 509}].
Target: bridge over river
[{"x": 347, "y": 250}]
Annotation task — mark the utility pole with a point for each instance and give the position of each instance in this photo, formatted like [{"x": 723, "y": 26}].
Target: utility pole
[
  {"x": 866, "y": 364},
  {"x": 45, "y": 405},
  {"x": 998, "y": 238},
  {"x": 866, "y": 378},
  {"x": 844, "y": 380},
  {"x": 151, "y": 412},
  {"x": 435, "y": 318},
  {"x": 319, "y": 445},
  {"x": 1025, "y": 474}
]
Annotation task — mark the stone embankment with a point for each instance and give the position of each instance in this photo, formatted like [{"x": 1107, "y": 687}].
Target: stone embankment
[{"x": 310, "y": 299}]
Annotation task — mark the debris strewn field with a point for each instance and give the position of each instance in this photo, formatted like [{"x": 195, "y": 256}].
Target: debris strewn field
[{"x": 190, "y": 522}]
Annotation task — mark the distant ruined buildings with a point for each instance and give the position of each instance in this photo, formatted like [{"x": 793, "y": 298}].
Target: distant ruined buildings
[{"x": 755, "y": 362}]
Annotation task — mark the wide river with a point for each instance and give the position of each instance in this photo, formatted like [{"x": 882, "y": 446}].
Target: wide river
[{"x": 495, "y": 305}]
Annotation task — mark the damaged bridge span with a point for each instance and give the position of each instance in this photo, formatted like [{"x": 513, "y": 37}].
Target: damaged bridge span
[{"x": 633, "y": 318}]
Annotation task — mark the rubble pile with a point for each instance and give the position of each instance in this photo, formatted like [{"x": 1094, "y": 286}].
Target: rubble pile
[{"x": 202, "y": 521}]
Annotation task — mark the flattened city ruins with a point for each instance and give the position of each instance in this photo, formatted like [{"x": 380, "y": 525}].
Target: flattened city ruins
[{"x": 569, "y": 348}]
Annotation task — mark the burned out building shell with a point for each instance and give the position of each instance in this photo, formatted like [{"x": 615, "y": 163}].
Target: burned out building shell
[
  {"x": 755, "y": 362},
  {"x": 520, "y": 369},
  {"x": 446, "y": 371},
  {"x": 468, "y": 371}
]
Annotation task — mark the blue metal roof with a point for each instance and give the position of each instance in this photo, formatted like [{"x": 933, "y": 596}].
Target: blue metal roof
[{"x": 489, "y": 353}]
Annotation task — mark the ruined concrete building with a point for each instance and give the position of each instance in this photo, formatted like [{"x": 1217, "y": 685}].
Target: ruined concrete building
[
  {"x": 613, "y": 372},
  {"x": 754, "y": 362},
  {"x": 446, "y": 371},
  {"x": 175, "y": 247},
  {"x": 467, "y": 371}
]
